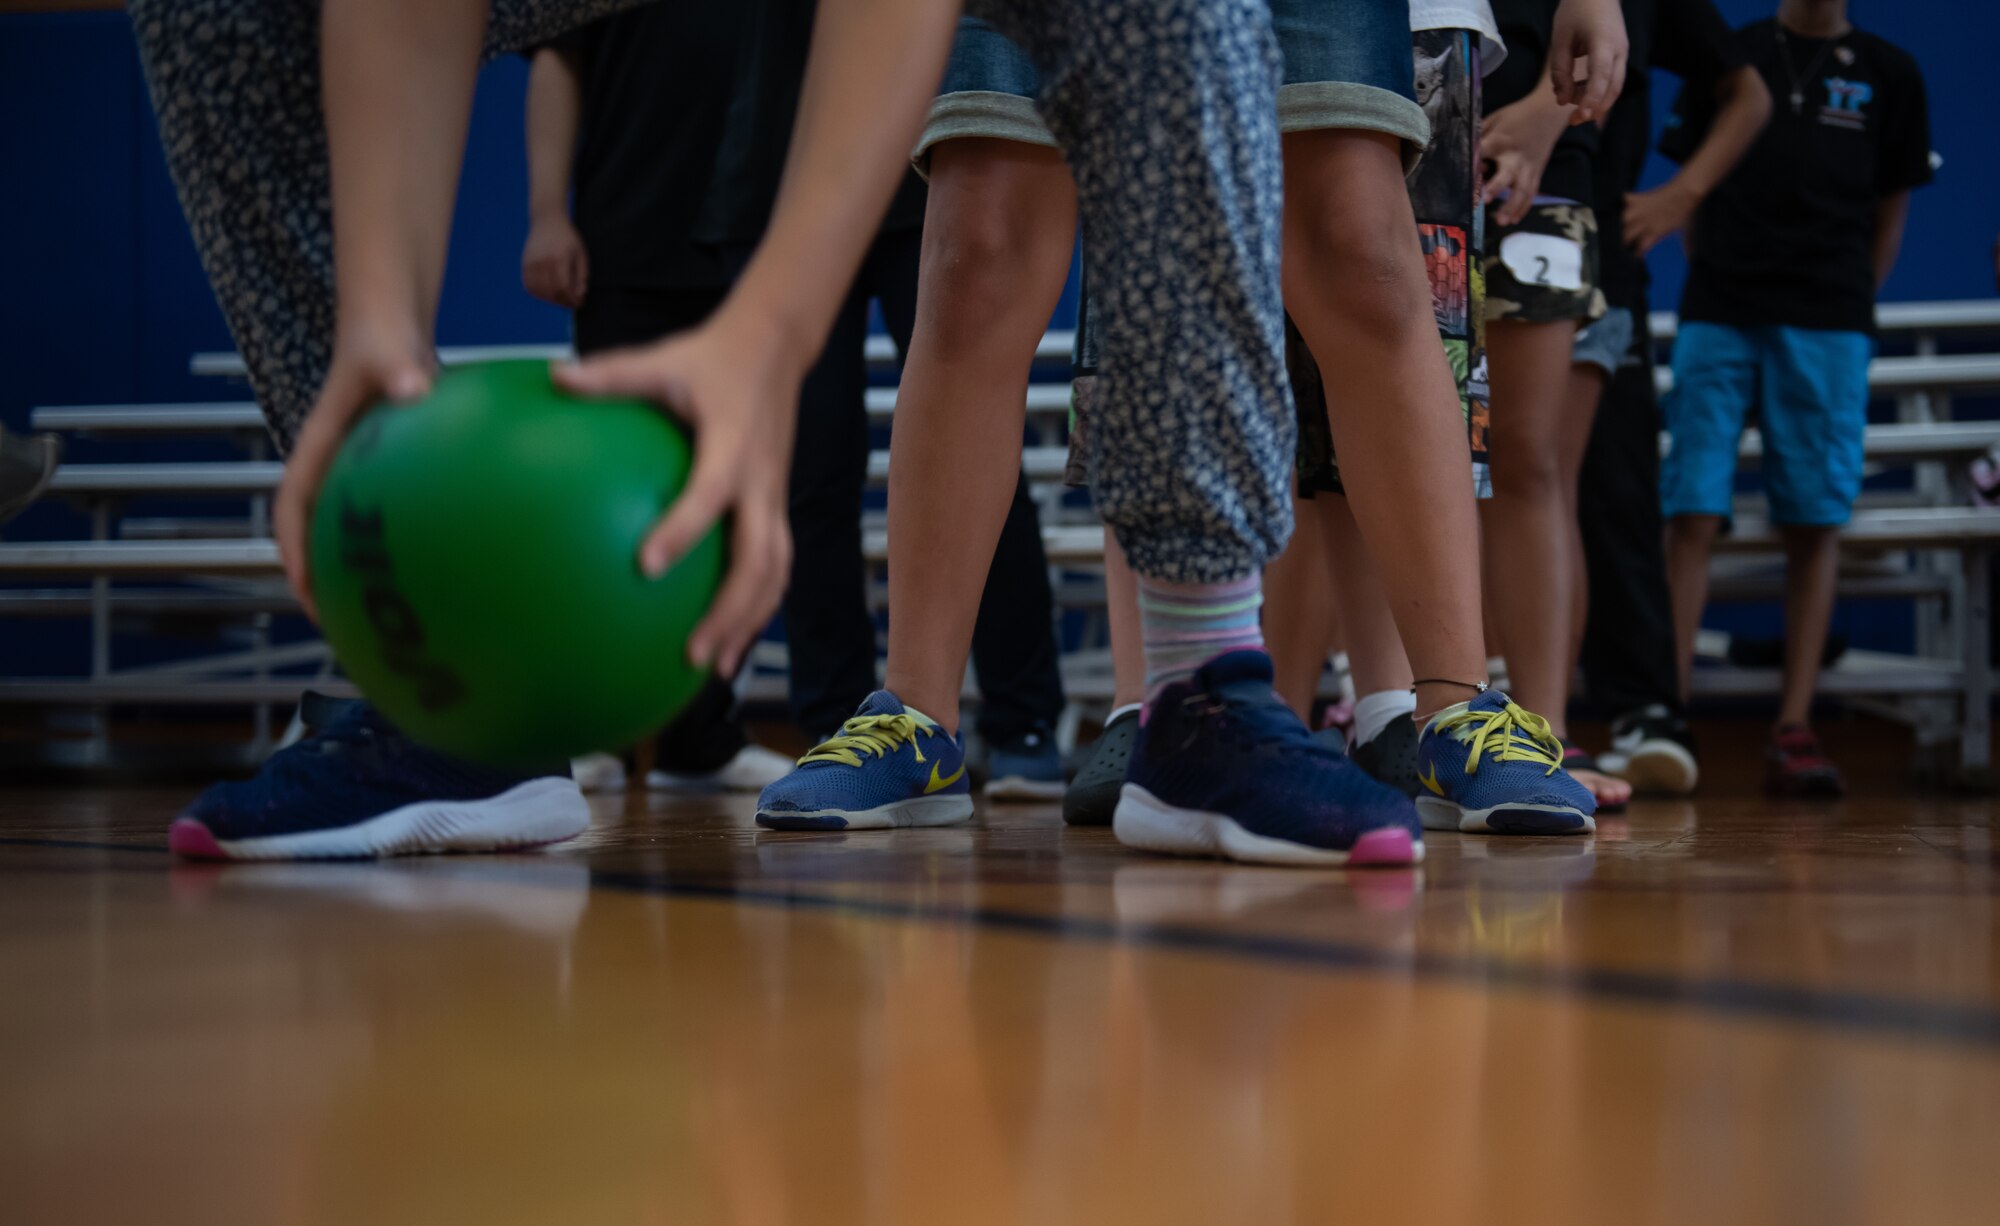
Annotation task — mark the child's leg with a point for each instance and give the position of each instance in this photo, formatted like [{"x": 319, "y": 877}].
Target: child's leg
[
  {"x": 1716, "y": 374},
  {"x": 1298, "y": 611},
  {"x": 998, "y": 235},
  {"x": 1813, "y": 399},
  {"x": 1169, "y": 117},
  {"x": 1690, "y": 541},
  {"x": 1580, "y": 397},
  {"x": 1192, "y": 427},
  {"x": 1528, "y": 524},
  {"x": 1812, "y": 569},
  {"x": 1121, "y": 600},
  {"x": 1355, "y": 285},
  {"x": 1374, "y": 645}
]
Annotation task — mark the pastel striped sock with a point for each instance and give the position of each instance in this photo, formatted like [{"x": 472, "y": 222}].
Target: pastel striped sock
[{"x": 1187, "y": 624}]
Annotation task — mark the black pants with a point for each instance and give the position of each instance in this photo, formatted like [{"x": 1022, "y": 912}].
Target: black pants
[
  {"x": 706, "y": 734},
  {"x": 1628, "y": 641},
  {"x": 833, "y": 648},
  {"x": 826, "y": 610}
]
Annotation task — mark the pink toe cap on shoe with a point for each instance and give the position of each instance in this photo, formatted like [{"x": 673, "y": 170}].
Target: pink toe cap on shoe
[
  {"x": 1384, "y": 847},
  {"x": 188, "y": 837}
]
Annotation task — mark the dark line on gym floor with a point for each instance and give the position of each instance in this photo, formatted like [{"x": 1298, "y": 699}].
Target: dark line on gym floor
[
  {"x": 82, "y": 845},
  {"x": 1936, "y": 1021},
  {"x": 1928, "y": 1020}
]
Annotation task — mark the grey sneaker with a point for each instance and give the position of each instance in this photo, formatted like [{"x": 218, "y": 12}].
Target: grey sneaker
[{"x": 1093, "y": 795}]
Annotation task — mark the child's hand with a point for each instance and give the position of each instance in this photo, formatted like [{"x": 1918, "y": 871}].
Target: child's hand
[
  {"x": 730, "y": 381},
  {"x": 554, "y": 266},
  {"x": 1651, "y": 216},
  {"x": 367, "y": 369},
  {"x": 1592, "y": 30},
  {"x": 1517, "y": 140}
]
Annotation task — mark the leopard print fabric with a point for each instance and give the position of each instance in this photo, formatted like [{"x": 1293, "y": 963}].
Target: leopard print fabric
[{"x": 235, "y": 87}]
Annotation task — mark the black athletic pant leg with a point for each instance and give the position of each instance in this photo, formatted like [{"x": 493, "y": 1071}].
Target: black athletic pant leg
[
  {"x": 831, "y": 635},
  {"x": 706, "y": 734},
  {"x": 1628, "y": 642}
]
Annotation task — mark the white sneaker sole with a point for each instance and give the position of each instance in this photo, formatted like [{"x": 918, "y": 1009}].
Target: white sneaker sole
[
  {"x": 916, "y": 811},
  {"x": 530, "y": 814},
  {"x": 1437, "y": 813},
  {"x": 1019, "y": 788},
  {"x": 753, "y": 769},
  {"x": 1659, "y": 767},
  {"x": 1144, "y": 821}
]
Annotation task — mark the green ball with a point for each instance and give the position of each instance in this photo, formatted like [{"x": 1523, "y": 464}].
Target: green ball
[{"x": 475, "y": 560}]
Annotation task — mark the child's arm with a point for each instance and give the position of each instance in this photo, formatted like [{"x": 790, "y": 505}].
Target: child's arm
[
  {"x": 875, "y": 65},
  {"x": 1746, "y": 106},
  {"x": 1887, "y": 244},
  {"x": 1590, "y": 33},
  {"x": 1517, "y": 141},
  {"x": 398, "y": 86},
  {"x": 554, "y": 265},
  {"x": 397, "y": 79}
]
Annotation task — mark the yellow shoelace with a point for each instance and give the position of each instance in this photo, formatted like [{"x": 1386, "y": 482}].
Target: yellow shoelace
[
  {"x": 1511, "y": 734},
  {"x": 875, "y": 735}
]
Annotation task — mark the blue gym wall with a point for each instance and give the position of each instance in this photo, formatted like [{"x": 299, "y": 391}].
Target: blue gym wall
[{"x": 102, "y": 298}]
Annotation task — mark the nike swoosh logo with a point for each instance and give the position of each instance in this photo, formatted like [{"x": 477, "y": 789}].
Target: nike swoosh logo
[
  {"x": 936, "y": 783},
  {"x": 1431, "y": 780}
]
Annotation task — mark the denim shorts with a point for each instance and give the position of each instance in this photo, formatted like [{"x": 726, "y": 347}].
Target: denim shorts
[
  {"x": 1347, "y": 65},
  {"x": 1810, "y": 391},
  {"x": 1605, "y": 343}
]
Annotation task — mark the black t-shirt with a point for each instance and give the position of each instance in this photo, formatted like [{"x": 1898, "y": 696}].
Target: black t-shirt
[
  {"x": 1788, "y": 236},
  {"x": 769, "y": 75},
  {"x": 687, "y": 114},
  {"x": 1690, "y": 39},
  {"x": 1525, "y": 26},
  {"x": 657, "y": 83}
]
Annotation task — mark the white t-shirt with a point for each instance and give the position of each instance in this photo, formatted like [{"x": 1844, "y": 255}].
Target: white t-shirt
[{"x": 1462, "y": 15}]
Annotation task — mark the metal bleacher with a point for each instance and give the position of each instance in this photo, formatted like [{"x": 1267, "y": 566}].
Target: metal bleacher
[{"x": 1926, "y": 545}]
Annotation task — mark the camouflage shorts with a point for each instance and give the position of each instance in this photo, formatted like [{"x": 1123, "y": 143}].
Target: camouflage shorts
[{"x": 1544, "y": 268}]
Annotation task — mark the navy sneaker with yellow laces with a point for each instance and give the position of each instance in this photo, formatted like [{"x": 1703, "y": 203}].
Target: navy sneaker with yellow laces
[
  {"x": 1222, "y": 767},
  {"x": 888, "y": 766},
  {"x": 356, "y": 788},
  {"x": 1491, "y": 766}
]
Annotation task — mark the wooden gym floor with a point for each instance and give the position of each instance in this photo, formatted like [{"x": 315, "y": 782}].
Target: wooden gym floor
[{"x": 1721, "y": 1011}]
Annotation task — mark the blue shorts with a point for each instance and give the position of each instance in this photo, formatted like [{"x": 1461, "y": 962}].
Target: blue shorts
[
  {"x": 1809, "y": 388},
  {"x": 1347, "y": 65}
]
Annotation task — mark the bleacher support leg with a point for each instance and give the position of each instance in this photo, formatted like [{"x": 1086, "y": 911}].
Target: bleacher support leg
[{"x": 1976, "y": 629}]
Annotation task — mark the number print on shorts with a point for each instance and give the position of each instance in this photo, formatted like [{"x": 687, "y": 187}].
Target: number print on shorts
[{"x": 1544, "y": 259}]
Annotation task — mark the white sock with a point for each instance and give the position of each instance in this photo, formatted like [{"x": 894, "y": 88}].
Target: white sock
[
  {"x": 1496, "y": 673},
  {"x": 1129, "y": 708},
  {"x": 1343, "y": 677},
  {"x": 1373, "y": 712}
]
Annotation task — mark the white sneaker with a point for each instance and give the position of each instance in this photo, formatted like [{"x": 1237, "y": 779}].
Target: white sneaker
[
  {"x": 1648, "y": 751},
  {"x": 598, "y": 772},
  {"x": 752, "y": 770}
]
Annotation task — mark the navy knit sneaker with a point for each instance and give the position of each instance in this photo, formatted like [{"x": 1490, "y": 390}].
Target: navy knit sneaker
[
  {"x": 1222, "y": 767},
  {"x": 357, "y": 788},
  {"x": 1491, "y": 766},
  {"x": 1028, "y": 768},
  {"x": 888, "y": 766}
]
